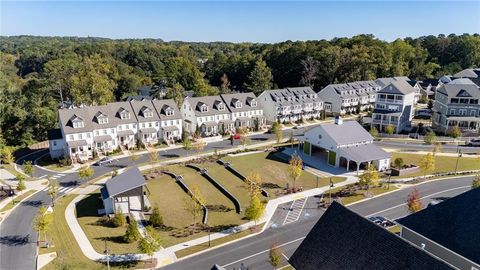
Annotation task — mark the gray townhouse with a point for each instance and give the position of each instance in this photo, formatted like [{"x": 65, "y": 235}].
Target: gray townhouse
[
  {"x": 290, "y": 104},
  {"x": 353, "y": 97},
  {"x": 414, "y": 84},
  {"x": 222, "y": 114},
  {"x": 104, "y": 128},
  {"x": 457, "y": 104},
  {"x": 394, "y": 105},
  {"x": 429, "y": 88}
]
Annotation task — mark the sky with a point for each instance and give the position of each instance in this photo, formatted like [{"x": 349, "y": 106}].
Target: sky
[{"x": 245, "y": 21}]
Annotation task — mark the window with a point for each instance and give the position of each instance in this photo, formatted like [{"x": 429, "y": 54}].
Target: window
[
  {"x": 80, "y": 137},
  {"x": 156, "y": 124},
  {"x": 472, "y": 112},
  {"x": 54, "y": 143},
  {"x": 473, "y": 101},
  {"x": 125, "y": 115},
  {"x": 102, "y": 120},
  {"x": 462, "y": 112},
  {"x": 221, "y": 107},
  {"x": 253, "y": 103},
  {"x": 70, "y": 137},
  {"x": 112, "y": 131},
  {"x": 169, "y": 112},
  {"x": 204, "y": 108},
  {"x": 150, "y": 124},
  {"x": 96, "y": 132},
  {"x": 454, "y": 100},
  {"x": 78, "y": 124},
  {"x": 104, "y": 132},
  {"x": 380, "y": 106},
  {"x": 88, "y": 135},
  {"x": 452, "y": 111},
  {"x": 178, "y": 121},
  {"x": 238, "y": 104}
]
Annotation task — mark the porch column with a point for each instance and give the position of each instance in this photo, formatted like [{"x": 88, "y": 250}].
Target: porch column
[
  {"x": 369, "y": 164},
  {"x": 358, "y": 167},
  {"x": 348, "y": 165}
]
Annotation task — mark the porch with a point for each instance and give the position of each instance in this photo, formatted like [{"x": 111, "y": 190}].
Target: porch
[
  {"x": 148, "y": 135},
  {"x": 209, "y": 129},
  {"x": 126, "y": 138},
  {"x": 79, "y": 150}
]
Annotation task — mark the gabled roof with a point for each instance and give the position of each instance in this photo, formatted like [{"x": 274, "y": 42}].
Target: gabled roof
[
  {"x": 453, "y": 89},
  {"x": 467, "y": 73},
  {"x": 342, "y": 239},
  {"x": 140, "y": 106},
  {"x": 210, "y": 101},
  {"x": 346, "y": 133},
  {"x": 162, "y": 105},
  {"x": 244, "y": 98},
  {"x": 128, "y": 180},
  {"x": 454, "y": 224},
  {"x": 66, "y": 116},
  {"x": 398, "y": 87}
]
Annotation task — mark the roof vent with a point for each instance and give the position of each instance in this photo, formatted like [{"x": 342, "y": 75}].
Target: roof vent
[
  {"x": 422, "y": 246},
  {"x": 338, "y": 120}
]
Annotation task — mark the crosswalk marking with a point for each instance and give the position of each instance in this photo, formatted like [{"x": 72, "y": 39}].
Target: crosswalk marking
[{"x": 296, "y": 210}]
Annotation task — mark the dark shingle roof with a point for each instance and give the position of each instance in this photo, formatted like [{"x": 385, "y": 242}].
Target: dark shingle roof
[
  {"x": 454, "y": 224},
  {"x": 54, "y": 134},
  {"x": 125, "y": 181},
  {"x": 342, "y": 239}
]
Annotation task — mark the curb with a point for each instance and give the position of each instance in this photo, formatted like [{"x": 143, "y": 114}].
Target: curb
[{"x": 7, "y": 213}]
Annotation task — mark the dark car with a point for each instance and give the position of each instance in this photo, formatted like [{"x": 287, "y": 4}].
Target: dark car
[{"x": 103, "y": 161}]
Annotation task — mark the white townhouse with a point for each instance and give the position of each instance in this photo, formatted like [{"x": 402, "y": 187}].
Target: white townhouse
[
  {"x": 290, "y": 104},
  {"x": 382, "y": 82},
  {"x": 245, "y": 111},
  {"x": 457, "y": 104},
  {"x": 206, "y": 114},
  {"x": 126, "y": 123},
  {"x": 148, "y": 121},
  {"x": 352, "y": 97},
  {"x": 394, "y": 105},
  {"x": 171, "y": 123}
]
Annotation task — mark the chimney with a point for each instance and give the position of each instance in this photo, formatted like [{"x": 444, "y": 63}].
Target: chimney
[{"x": 338, "y": 120}]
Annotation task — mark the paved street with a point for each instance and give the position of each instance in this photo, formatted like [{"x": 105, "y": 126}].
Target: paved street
[{"x": 253, "y": 252}]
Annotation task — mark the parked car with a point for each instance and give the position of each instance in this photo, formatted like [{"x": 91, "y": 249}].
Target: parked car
[
  {"x": 103, "y": 161},
  {"x": 382, "y": 221},
  {"x": 474, "y": 142}
]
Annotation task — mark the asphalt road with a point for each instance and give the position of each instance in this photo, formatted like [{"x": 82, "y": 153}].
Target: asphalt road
[
  {"x": 17, "y": 237},
  {"x": 253, "y": 252}
]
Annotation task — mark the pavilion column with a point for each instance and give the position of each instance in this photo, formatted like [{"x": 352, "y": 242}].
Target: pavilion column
[
  {"x": 369, "y": 164},
  {"x": 358, "y": 167},
  {"x": 348, "y": 165}
]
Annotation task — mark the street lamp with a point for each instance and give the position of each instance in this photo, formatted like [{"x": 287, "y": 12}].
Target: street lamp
[
  {"x": 106, "y": 253},
  {"x": 459, "y": 151},
  {"x": 330, "y": 190}
]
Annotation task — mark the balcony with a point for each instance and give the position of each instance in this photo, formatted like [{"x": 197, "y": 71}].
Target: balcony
[{"x": 386, "y": 100}]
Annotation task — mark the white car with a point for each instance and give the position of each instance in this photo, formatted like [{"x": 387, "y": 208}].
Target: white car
[{"x": 474, "y": 142}]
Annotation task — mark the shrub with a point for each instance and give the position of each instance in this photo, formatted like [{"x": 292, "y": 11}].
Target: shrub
[
  {"x": 155, "y": 219},
  {"x": 119, "y": 219},
  {"x": 398, "y": 162},
  {"x": 132, "y": 234}
]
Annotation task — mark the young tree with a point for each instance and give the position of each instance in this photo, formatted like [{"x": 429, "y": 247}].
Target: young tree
[
  {"x": 21, "y": 182},
  {"x": 295, "y": 168},
  {"x": 277, "y": 130},
  {"x": 119, "y": 218},
  {"x": 476, "y": 182},
  {"x": 155, "y": 219},
  {"x": 398, "y": 162},
  {"x": 28, "y": 167},
  {"x": 42, "y": 221},
  {"x": 414, "y": 203},
  {"x": 255, "y": 210},
  {"x": 187, "y": 144},
  {"x": 7, "y": 156},
  {"x": 253, "y": 181},
  {"x": 194, "y": 204},
  {"x": 150, "y": 243},
  {"x": 455, "y": 132},
  {"x": 275, "y": 256},
  {"x": 153, "y": 157},
  {"x": 427, "y": 164},
  {"x": 243, "y": 135},
  {"x": 132, "y": 233},
  {"x": 53, "y": 189},
  {"x": 390, "y": 129},
  {"x": 134, "y": 156},
  {"x": 374, "y": 132},
  {"x": 430, "y": 137},
  {"x": 437, "y": 147},
  {"x": 370, "y": 177},
  {"x": 85, "y": 172}
]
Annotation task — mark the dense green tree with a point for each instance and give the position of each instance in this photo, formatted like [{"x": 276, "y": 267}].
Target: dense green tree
[{"x": 260, "y": 78}]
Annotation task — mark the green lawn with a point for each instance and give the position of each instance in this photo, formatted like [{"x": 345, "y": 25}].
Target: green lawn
[
  {"x": 442, "y": 163},
  {"x": 359, "y": 194},
  {"x": 274, "y": 171},
  {"x": 69, "y": 255},
  {"x": 51, "y": 164},
  {"x": 97, "y": 233},
  {"x": 212, "y": 196},
  {"x": 228, "y": 180}
]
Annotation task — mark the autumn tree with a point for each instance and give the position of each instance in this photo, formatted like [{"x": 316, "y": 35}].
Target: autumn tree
[
  {"x": 199, "y": 145},
  {"x": 427, "y": 164},
  {"x": 28, "y": 167},
  {"x": 53, "y": 190},
  {"x": 414, "y": 202},
  {"x": 6, "y": 155},
  {"x": 253, "y": 181},
  {"x": 21, "y": 182},
  {"x": 374, "y": 132},
  {"x": 194, "y": 204},
  {"x": 153, "y": 157},
  {"x": 119, "y": 218},
  {"x": 151, "y": 242},
  {"x": 437, "y": 148},
  {"x": 243, "y": 132},
  {"x": 369, "y": 177},
  {"x": 455, "y": 132},
  {"x": 42, "y": 221},
  {"x": 390, "y": 129},
  {"x": 187, "y": 144},
  {"x": 430, "y": 137},
  {"x": 255, "y": 209},
  {"x": 85, "y": 172},
  {"x": 295, "y": 168},
  {"x": 277, "y": 130},
  {"x": 275, "y": 256}
]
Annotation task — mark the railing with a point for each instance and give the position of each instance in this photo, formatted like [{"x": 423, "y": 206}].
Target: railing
[{"x": 389, "y": 101}]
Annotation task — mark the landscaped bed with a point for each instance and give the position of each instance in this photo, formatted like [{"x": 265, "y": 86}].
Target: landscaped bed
[
  {"x": 274, "y": 172},
  {"x": 353, "y": 193},
  {"x": 50, "y": 164},
  {"x": 442, "y": 163}
]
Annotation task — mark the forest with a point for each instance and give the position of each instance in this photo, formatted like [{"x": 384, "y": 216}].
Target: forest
[{"x": 38, "y": 72}]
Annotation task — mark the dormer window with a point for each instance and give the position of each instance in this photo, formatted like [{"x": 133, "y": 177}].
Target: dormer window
[
  {"x": 101, "y": 118},
  {"x": 124, "y": 114},
  {"x": 169, "y": 112},
  {"x": 221, "y": 107},
  {"x": 203, "y": 108},
  {"x": 77, "y": 122},
  {"x": 238, "y": 104},
  {"x": 147, "y": 113}
]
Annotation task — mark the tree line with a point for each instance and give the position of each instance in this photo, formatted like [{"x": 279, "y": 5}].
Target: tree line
[{"x": 38, "y": 72}]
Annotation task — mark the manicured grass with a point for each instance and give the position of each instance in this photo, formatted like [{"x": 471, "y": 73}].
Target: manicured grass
[
  {"x": 18, "y": 199},
  {"x": 211, "y": 195},
  {"x": 69, "y": 255},
  {"x": 232, "y": 183},
  {"x": 275, "y": 171},
  {"x": 51, "y": 164},
  {"x": 442, "y": 163},
  {"x": 96, "y": 232},
  {"x": 359, "y": 194},
  {"x": 170, "y": 198},
  {"x": 194, "y": 249}
]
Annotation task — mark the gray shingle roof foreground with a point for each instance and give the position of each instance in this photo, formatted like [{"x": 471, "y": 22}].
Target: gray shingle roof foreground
[
  {"x": 342, "y": 239},
  {"x": 454, "y": 224},
  {"x": 128, "y": 180},
  {"x": 398, "y": 87},
  {"x": 348, "y": 132},
  {"x": 54, "y": 134}
]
